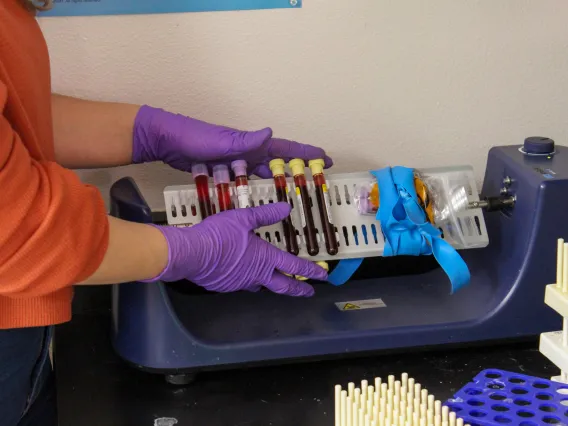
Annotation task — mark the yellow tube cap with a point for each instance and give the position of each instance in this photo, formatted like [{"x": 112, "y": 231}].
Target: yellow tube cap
[
  {"x": 277, "y": 166},
  {"x": 316, "y": 166},
  {"x": 297, "y": 166}
]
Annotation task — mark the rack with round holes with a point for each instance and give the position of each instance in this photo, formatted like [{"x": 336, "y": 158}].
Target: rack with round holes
[{"x": 497, "y": 397}]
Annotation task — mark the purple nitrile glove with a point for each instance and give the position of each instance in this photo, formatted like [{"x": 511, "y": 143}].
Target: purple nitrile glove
[
  {"x": 180, "y": 141},
  {"x": 223, "y": 254}
]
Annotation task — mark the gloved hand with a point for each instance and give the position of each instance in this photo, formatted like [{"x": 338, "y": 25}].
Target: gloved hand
[
  {"x": 223, "y": 254},
  {"x": 180, "y": 141}
]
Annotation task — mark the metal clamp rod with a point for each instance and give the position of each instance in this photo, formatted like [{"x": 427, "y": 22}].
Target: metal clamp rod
[{"x": 490, "y": 204}]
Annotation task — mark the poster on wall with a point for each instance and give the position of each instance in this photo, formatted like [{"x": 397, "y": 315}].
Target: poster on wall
[{"x": 130, "y": 7}]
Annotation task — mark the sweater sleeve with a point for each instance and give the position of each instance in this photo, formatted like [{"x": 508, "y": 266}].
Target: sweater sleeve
[{"x": 53, "y": 228}]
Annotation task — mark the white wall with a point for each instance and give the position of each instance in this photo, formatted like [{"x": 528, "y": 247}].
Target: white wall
[{"x": 376, "y": 82}]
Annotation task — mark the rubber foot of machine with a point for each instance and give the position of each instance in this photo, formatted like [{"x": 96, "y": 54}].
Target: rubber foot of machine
[{"x": 180, "y": 379}]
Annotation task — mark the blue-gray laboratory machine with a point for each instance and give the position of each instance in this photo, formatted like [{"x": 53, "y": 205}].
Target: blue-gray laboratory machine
[{"x": 178, "y": 329}]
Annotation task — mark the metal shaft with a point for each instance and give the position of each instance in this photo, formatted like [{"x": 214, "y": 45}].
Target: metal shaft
[{"x": 493, "y": 203}]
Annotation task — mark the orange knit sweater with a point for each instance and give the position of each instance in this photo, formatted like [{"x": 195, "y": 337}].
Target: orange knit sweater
[{"x": 53, "y": 228}]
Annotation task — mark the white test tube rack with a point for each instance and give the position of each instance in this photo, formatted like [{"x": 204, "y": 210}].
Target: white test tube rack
[
  {"x": 554, "y": 344},
  {"x": 392, "y": 403},
  {"x": 358, "y": 235}
]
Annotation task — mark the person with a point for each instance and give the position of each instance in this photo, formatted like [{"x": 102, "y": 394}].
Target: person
[{"x": 55, "y": 232}]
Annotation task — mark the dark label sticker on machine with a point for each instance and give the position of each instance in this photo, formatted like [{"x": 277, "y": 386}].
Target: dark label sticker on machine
[{"x": 356, "y": 305}]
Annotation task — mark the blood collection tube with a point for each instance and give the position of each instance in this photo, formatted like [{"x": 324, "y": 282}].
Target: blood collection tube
[
  {"x": 201, "y": 178},
  {"x": 322, "y": 195},
  {"x": 221, "y": 179},
  {"x": 297, "y": 166},
  {"x": 277, "y": 168},
  {"x": 241, "y": 182}
]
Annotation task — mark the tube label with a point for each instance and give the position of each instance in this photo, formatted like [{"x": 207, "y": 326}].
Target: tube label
[
  {"x": 301, "y": 207},
  {"x": 243, "y": 196},
  {"x": 327, "y": 203}
]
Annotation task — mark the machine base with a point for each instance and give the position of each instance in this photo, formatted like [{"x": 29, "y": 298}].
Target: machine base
[{"x": 166, "y": 329}]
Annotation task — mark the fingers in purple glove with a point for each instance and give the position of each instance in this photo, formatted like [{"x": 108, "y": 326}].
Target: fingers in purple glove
[
  {"x": 270, "y": 214},
  {"x": 294, "y": 265},
  {"x": 262, "y": 171},
  {"x": 244, "y": 142},
  {"x": 281, "y": 284},
  {"x": 265, "y": 215},
  {"x": 286, "y": 149},
  {"x": 281, "y": 261},
  {"x": 255, "y": 288}
]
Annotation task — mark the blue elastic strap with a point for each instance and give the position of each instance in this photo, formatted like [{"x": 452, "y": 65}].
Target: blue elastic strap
[
  {"x": 344, "y": 271},
  {"x": 406, "y": 230}
]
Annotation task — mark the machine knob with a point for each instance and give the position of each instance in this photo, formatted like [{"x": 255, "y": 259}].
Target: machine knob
[{"x": 538, "y": 145}]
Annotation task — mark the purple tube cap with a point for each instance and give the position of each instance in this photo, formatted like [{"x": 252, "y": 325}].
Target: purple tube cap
[
  {"x": 364, "y": 206},
  {"x": 199, "y": 170},
  {"x": 239, "y": 167},
  {"x": 221, "y": 174}
]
